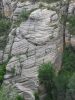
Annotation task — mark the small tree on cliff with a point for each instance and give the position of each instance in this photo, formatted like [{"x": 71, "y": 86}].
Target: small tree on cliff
[{"x": 47, "y": 77}]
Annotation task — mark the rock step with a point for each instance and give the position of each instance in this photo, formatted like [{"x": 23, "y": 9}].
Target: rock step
[{"x": 21, "y": 79}]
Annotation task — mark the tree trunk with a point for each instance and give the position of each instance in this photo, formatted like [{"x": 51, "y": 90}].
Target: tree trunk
[
  {"x": 64, "y": 25},
  {"x": 64, "y": 15}
]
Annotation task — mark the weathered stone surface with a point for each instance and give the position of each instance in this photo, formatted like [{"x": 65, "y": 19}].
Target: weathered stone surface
[
  {"x": 17, "y": 11},
  {"x": 71, "y": 8},
  {"x": 55, "y": 18},
  {"x": 5, "y": 57},
  {"x": 35, "y": 41},
  {"x": 19, "y": 4},
  {"x": 19, "y": 47},
  {"x": 7, "y": 76}
]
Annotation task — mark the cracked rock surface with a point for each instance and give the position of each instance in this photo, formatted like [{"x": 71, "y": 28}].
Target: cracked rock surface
[{"x": 35, "y": 42}]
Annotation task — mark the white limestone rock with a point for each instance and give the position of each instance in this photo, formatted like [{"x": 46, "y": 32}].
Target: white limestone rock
[
  {"x": 5, "y": 57},
  {"x": 8, "y": 76},
  {"x": 17, "y": 11},
  {"x": 20, "y": 47},
  {"x": 55, "y": 18},
  {"x": 13, "y": 5},
  {"x": 19, "y": 4}
]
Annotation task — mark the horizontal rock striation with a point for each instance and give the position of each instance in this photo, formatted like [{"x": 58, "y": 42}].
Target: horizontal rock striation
[
  {"x": 37, "y": 40},
  {"x": 34, "y": 42}
]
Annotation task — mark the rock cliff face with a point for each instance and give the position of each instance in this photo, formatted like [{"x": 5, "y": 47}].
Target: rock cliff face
[{"x": 35, "y": 41}]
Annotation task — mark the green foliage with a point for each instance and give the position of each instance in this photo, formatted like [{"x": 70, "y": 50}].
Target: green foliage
[
  {"x": 5, "y": 94},
  {"x": 0, "y": 14},
  {"x": 47, "y": 77},
  {"x": 3, "y": 42},
  {"x": 22, "y": 0},
  {"x": 51, "y": 37},
  {"x": 51, "y": 8},
  {"x": 49, "y": 1},
  {"x": 9, "y": 94},
  {"x": 4, "y": 30},
  {"x": 55, "y": 26},
  {"x": 4, "y": 27},
  {"x": 17, "y": 24},
  {"x": 63, "y": 19},
  {"x": 48, "y": 98},
  {"x": 71, "y": 25},
  {"x": 22, "y": 17},
  {"x": 70, "y": 95},
  {"x": 24, "y": 14},
  {"x": 69, "y": 59},
  {"x": 62, "y": 86},
  {"x": 2, "y": 71},
  {"x": 66, "y": 72},
  {"x": 62, "y": 80},
  {"x": 13, "y": 70},
  {"x": 41, "y": 5},
  {"x": 36, "y": 96},
  {"x": 46, "y": 72},
  {"x": 19, "y": 98}
]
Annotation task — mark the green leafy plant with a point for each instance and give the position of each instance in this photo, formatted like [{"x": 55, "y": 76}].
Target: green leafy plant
[
  {"x": 4, "y": 30},
  {"x": 71, "y": 25},
  {"x": 51, "y": 37},
  {"x": 17, "y": 24},
  {"x": 22, "y": 0},
  {"x": 19, "y": 98},
  {"x": 41, "y": 5},
  {"x": 66, "y": 72},
  {"x": 4, "y": 27},
  {"x": 51, "y": 8},
  {"x": 69, "y": 59},
  {"x": 24, "y": 14},
  {"x": 55, "y": 26},
  {"x": 13, "y": 70},
  {"x": 2, "y": 71},
  {"x": 47, "y": 77},
  {"x": 70, "y": 94},
  {"x": 36, "y": 96},
  {"x": 49, "y": 1}
]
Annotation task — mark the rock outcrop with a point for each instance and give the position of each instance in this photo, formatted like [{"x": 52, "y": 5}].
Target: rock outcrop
[{"x": 35, "y": 41}]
